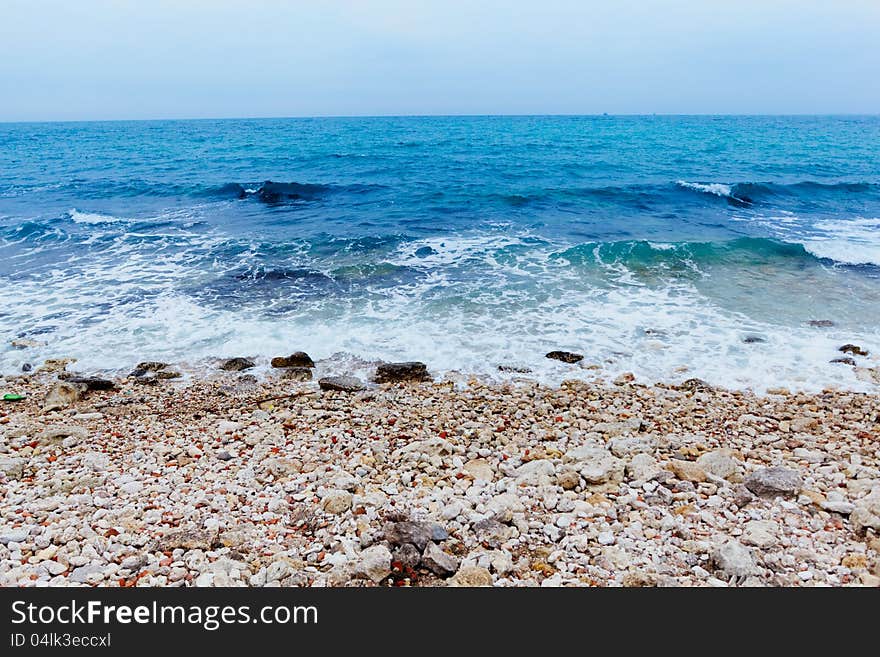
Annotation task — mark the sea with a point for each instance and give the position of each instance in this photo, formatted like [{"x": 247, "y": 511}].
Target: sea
[{"x": 741, "y": 250}]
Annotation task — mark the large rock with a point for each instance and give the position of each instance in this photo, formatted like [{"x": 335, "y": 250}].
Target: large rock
[
  {"x": 770, "y": 482},
  {"x": 687, "y": 470},
  {"x": 760, "y": 533},
  {"x": 734, "y": 559},
  {"x": 236, "y": 364},
  {"x": 439, "y": 562},
  {"x": 396, "y": 372},
  {"x": 642, "y": 467},
  {"x": 535, "y": 473},
  {"x": 480, "y": 469},
  {"x": 565, "y": 356},
  {"x": 853, "y": 349},
  {"x": 415, "y": 533},
  {"x": 866, "y": 513},
  {"x": 596, "y": 464},
  {"x": 374, "y": 563},
  {"x": 296, "y": 359},
  {"x": 188, "y": 539},
  {"x": 62, "y": 395},
  {"x": 12, "y": 467},
  {"x": 297, "y": 374},
  {"x": 470, "y": 576},
  {"x": 341, "y": 383},
  {"x": 336, "y": 501},
  {"x": 720, "y": 463},
  {"x": 92, "y": 382}
]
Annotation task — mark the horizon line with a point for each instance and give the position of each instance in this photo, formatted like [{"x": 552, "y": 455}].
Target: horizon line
[{"x": 446, "y": 115}]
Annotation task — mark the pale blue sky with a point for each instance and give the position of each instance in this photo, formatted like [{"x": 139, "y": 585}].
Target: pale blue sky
[{"x": 90, "y": 59}]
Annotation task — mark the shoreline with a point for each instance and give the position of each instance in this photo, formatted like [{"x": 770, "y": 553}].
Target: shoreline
[{"x": 230, "y": 480}]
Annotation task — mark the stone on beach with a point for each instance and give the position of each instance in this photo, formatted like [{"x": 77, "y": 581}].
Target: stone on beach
[
  {"x": 374, "y": 563},
  {"x": 296, "y": 359},
  {"x": 341, "y": 384},
  {"x": 770, "y": 482},
  {"x": 297, "y": 374},
  {"x": 397, "y": 372},
  {"x": 439, "y": 562},
  {"x": 236, "y": 364},
  {"x": 565, "y": 356},
  {"x": 62, "y": 395}
]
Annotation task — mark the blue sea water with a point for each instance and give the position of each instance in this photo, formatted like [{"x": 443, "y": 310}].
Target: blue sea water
[{"x": 670, "y": 247}]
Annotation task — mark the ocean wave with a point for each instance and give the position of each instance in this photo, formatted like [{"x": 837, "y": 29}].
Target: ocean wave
[
  {"x": 93, "y": 218},
  {"x": 850, "y": 241}
]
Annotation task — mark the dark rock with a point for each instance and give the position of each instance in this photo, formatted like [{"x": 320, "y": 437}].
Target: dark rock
[
  {"x": 92, "y": 382},
  {"x": 821, "y": 323},
  {"x": 224, "y": 456},
  {"x": 846, "y": 360},
  {"x": 565, "y": 356},
  {"x": 236, "y": 364},
  {"x": 742, "y": 496},
  {"x": 770, "y": 482},
  {"x": 168, "y": 374},
  {"x": 395, "y": 372},
  {"x": 341, "y": 383},
  {"x": 753, "y": 339},
  {"x": 416, "y": 533},
  {"x": 297, "y": 374},
  {"x": 439, "y": 562},
  {"x": 296, "y": 359},
  {"x": 407, "y": 555},
  {"x": 27, "y": 367},
  {"x": 514, "y": 368},
  {"x": 146, "y": 367},
  {"x": 694, "y": 385},
  {"x": 853, "y": 349}
]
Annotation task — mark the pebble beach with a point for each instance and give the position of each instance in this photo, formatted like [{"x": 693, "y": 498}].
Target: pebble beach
[{"x": 227, "y": 479}]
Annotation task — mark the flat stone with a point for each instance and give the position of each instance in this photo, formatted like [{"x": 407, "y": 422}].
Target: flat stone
[
  {"x": 17, "y": 535},
  {"x": 63, "y": 394},
  {"x": 772, "y": 482},
  {"x": 88, "y": 574},
  {"x": 642, "y": 467},
  {"x": 480, "y": 469},
  {"x": 535, "y": 473},
  {"x": 687, "y": 470},
  {"x": 720, "y": 463},
  {"x": 760, "y": 533},
  {"x": 341, "y": 383},
  {"x": 92, "y": 382},
  {"x": 439, "y": 562},
  {"x": 412, "y": 371},
  {"x": 336, "y": 501},
  {"x": 565, "y": 356},
  {"x": 12, "y": 467},
  {"x": 188, "y": 539}
]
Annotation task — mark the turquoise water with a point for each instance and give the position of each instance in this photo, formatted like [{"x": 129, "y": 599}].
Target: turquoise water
[{"x": 671, "y": 247}]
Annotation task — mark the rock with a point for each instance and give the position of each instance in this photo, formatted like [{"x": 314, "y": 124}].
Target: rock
[
  {"x": 236, "y": 364},
  {"x": 719, "y": 462},
  {"x": 694, "y": 385},
  {"x": 853, "y": 349},
  {"x": 226, "y": 426},
  {"x": 416, "y": 533},
  {"x": 753, "y": 339},
  {"x": 147, "y": 366},
  {"x": 23, "y": 343},
  {"x": 62, "y": 395},
  {"x": 470, "y": 576},
  {"x": 56, "y": 435},
  {"x": 296, "y": 359},
  {"x": 480, "y": 469},
  {"x": 407, "y": 555},
  {"x": 836, "y": 502},
  {"x": 866, "y": 513},
  {"x": 596, "y": 464},
  {"x": 516, "y": 369},
  {"x": 188, "y": 539},
  {"x": 439, "y": 562},
  {"x": 374, "y": 563},
  {"x": 504, "y": 506},
  {"x": 642, "y": 467},
  {"x": 770, "y": 482},
  {"x": 89, "y": 574},
  {"x": 297, "y": 374},
  {"x": 341, "y": 383},
  {"x": 734, "y": 559},
  {"x": 12, "y": 467},
  {"x": 742, "y": 496},
  {"x": 336, "y": 501},
  {"x": 687, "y": 471},
  {"x": 760, "y": 533},
  {"x": 396, "y": 372},
  {"x": 92, "y": 382},
  {"x": 821, "y": 323},
  {"x": 568, "y": 479},
  {"x": 493, "y": 533},
  {"x": 565, "y": 356},
  {"x": 846, "y": 360},
  {"x": 535, "y": 473},
  {"x": 17, "y": 535},
  {"x": 56, "y": 364}
]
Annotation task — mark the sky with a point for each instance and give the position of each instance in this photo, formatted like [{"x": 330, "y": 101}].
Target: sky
[{"x": 130, "y": 59}]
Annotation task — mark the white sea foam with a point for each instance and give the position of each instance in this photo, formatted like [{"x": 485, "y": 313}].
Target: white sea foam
[
  {"x": 718, "y": 189},
  {"x": 851, "y": 241},
  {"x": 93, "y": 217}
]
